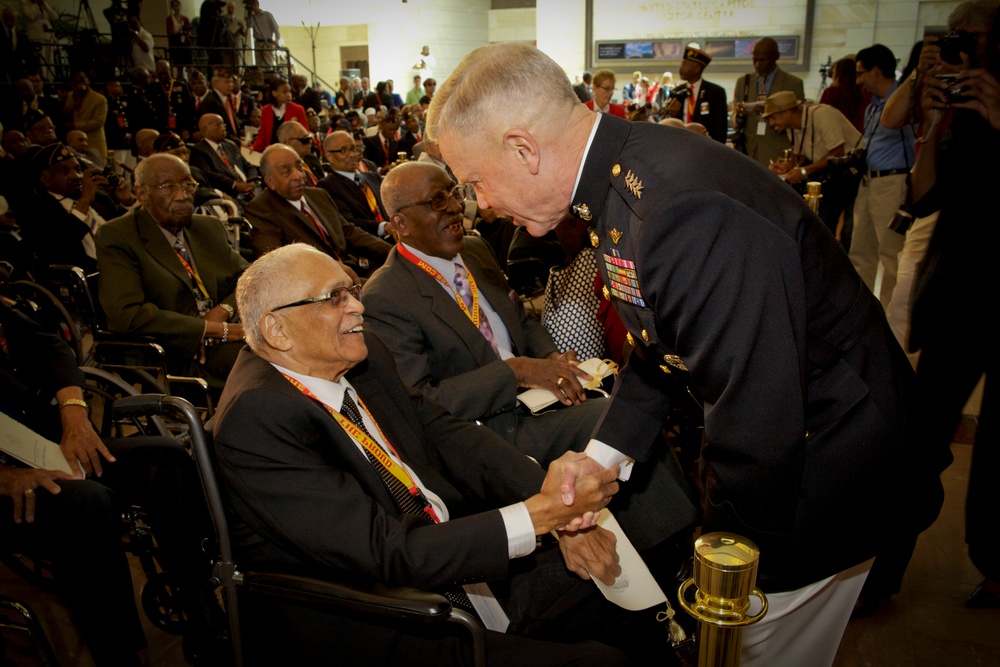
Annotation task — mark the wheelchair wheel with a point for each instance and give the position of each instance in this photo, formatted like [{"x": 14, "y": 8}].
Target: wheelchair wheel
[
  {"x": 161, "y": 603},
  {"x": 102, "y": 390},
  {"x": 50, "y": 312}
]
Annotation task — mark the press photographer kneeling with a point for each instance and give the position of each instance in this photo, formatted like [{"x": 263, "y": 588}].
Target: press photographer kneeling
[{"x": 820, "y": 135}]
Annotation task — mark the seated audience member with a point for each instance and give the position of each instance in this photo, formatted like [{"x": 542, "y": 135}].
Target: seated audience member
[
  {"x": 145, "y": 141},
  {"x": 443, "y": 307},
  {"x": 289, "y": 212},
  {"x": 382, "y": 148},
  {"x": 173, "y": 102},
  {"x": 305, "y": 408},
  {"x": 76, "y": 142},
  {"x": 358, "y": 195},
  {"x": 220, "y": 160},
  {"x": 75, "y": 519},
  {"x": 39, "y": 129},
  {"x": 604, "y": 88},
  {"x": 171, "y": 144},
  {"x": 297, "y": 137},
  {"x": 278, "y": 109},
  {"x": 60, "y": 221},
  {"x": 169, "y": 274},
  {"x": 218, "y": 102},
  {"x": 411, "y": 135}
]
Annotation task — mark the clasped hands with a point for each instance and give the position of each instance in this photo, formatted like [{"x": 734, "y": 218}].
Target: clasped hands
[{"x": 576, "y": 488}]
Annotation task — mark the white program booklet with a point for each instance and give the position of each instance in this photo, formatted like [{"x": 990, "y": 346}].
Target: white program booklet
[
  {"x": 30, "y": 448},
  {"x": 539, "y": 399}
]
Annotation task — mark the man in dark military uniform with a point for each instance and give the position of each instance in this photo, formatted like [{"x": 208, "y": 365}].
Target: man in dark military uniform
[
  {"x": 729, "y": 284},
  {"x": 173, "y": 103}
]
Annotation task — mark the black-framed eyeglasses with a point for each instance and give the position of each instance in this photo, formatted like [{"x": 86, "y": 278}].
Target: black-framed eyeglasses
[
  {"x": 608, "y": 89},
  {"x": 338, "y": 298},
  {"x": 439, "y": 200},
  {"x": 306, "y": 139},
  {"x": 345, "y": 150}
]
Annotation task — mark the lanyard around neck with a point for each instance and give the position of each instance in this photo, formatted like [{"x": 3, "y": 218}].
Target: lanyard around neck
[{"x": 434, "y": 273}]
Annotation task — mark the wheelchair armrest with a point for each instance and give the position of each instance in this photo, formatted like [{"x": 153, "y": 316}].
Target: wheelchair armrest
[{"x": 400, "y": 602}]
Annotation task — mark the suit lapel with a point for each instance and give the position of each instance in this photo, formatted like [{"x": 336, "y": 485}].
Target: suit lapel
[
  {"x": 320, "y": 210},
  {"x": 446, "y": 309},
  {"x": 156, "y": 245}
]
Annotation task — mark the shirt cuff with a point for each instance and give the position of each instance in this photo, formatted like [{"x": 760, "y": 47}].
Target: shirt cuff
[
  {"x": 381, "y": 229},
  {"x": 82, "y": 217},
  {"x": 608, "y": 456},
  {"x": 520, "y": 530}
]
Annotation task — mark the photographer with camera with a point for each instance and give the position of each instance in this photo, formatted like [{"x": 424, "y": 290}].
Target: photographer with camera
[
  {"x": 697, "y": 100},
  {"x": 955, "y": 173},
  {"x": 754, "y": 136},
  {"x": 889, "y": 154},
  {"x": 819, "y": 135}
]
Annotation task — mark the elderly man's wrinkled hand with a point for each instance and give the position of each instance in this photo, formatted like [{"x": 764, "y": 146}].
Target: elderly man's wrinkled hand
[{"x": 591, "y": 552}]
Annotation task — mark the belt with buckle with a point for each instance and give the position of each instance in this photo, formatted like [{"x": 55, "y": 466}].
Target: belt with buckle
[{"x": 888, "y": 172}]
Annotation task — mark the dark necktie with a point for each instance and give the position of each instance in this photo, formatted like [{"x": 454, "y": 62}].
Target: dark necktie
[
  {"x": 319, "y": 228},
  {"x": 408, "y": 503}
]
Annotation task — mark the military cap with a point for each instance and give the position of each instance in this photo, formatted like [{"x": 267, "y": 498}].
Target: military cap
[
  {"x": 48, "y": 156},
  {"x": 697, "y": 56}
]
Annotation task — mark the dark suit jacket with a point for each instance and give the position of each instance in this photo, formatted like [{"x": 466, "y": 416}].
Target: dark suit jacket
[
  {"x": 219, "y": 175},
  {"x": 301, "y": 492},
  {"x": 437, "y": 348},
  {"x": 375, "y": 152},
  {"x": 351, "y": 201},
  {"x": 173, "y": 107},
  {"x": 582, "y": 92},
  {"x": 711, "y": 110},
  {"x": 144, "y": 288},
  {"x": 214, "y": 104},
  {"x": 809, "y": 424},
  {"x": 277, "y": 223},
  {"x": 768, "y": 146}
]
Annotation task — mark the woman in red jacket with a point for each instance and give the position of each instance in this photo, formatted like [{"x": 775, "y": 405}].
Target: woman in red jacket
[{"x": 279, "y": 109}]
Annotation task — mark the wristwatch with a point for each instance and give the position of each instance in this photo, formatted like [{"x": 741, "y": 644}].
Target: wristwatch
[
  {"x": 802, "y": 170},
  {"x": 229, "y": 309}
]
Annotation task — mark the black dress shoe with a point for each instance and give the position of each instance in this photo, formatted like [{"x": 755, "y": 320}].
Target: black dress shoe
[
  {"x": 867, "y": 604},
  {"x": 982, "y": 598}
]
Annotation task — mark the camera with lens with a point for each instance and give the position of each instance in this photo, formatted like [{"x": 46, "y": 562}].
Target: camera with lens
[
  {"x": 954, "y": 44},
  {"x": 680, "y": 93},
  {"x": 826, "y": 68},
  {"x": 114, "y": 180},
  {"x": 855, "y": 161}
]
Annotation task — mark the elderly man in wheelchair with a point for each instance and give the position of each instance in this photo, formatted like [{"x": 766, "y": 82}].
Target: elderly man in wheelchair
[{"x": 74, "y": 519}]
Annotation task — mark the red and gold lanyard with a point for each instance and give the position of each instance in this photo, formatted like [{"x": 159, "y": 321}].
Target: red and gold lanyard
[
  {"x": 372, "y": 447},
  {"x": 193, "y": 274},
  {"x": 434, "y": 273}
]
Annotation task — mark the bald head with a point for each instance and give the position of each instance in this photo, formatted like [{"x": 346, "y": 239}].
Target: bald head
[
  {"x": 144, "y": 142},
  {"x": 672, "y": 122},
  {"x": 77, "y": 140},
  {"x": 404, "y": 184},
  {"x": 765, "y": 55}
]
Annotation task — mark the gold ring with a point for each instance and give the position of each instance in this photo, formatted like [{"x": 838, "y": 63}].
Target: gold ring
[
  {"x": 560, "y": 381},
  {"x": 28, "y": 491}
]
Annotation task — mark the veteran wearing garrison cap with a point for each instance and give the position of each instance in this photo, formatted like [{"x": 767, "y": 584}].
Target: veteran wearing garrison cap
[
  {"x": 704, "y": 102},
  {"x": 728, "y": 284}
]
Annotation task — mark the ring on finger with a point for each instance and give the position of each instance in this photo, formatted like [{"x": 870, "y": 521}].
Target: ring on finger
[
  {"x": 560, "y": 381},
  {"x": 28, "y": 492}
]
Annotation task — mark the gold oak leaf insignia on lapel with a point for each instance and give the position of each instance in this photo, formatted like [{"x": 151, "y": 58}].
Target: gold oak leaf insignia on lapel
[{"x": 633, "y": 184}]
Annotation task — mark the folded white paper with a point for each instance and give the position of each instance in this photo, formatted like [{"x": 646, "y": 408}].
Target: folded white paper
[
  {"x": 539, "y": 399},
  {"x": 635, "y": 588},
  {"x": 30, "y": 448}
]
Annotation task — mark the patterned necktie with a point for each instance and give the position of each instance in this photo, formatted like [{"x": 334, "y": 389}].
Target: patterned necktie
[
  {"x": 408, "y": 503},
  {"x": 225, "y": 158},
  {"x": 464, "y": 291},
  {"x": 761, "y": 88},
  {"x": 203, "y": 305}
]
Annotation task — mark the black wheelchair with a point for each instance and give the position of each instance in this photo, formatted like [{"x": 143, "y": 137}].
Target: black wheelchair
[{"x": 375, "y": 601}]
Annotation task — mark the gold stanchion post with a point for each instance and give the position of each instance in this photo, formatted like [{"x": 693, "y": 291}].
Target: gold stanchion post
[
  {"x": 812, "y": 195},
  {"x": 725, "y": 571}
]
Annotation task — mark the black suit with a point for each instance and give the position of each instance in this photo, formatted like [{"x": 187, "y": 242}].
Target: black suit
[
  {"x": 351, "y": 201},
  {"x": 15, "y": 61},
  {"x": 277, "y": 223},
  {"x": 811, "y": 435},
  {"x": 381, "y": 155},
  {"x": 220, "y": 175},
  {"x": 301, "y": 493},
  {"x": 710, "y": 110},
  {"x": 213, "y": 103},
  {"x": 55, "y": 234}
]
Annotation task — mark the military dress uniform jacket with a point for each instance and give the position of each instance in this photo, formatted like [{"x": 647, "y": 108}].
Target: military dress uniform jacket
[
  {"x": 710, "y": 110},
  {"x": 768, "y": 146},
  {"x": 716, "y": 266}
]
